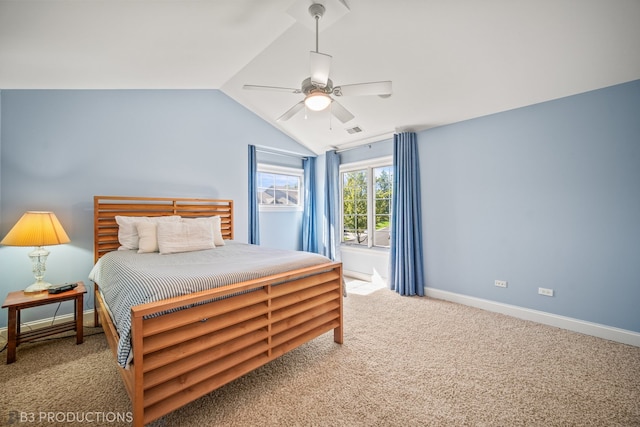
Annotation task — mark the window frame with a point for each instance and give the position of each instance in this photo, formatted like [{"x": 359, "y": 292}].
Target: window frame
[
  {"x": 283, "y": 170},
  {"x": 369, "y": 165}
]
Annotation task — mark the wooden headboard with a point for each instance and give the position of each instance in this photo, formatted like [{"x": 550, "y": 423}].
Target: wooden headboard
[{"x": 105, "y": 209}]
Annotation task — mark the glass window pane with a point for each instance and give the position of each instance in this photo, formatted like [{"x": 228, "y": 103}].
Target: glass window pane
[
  {"x": 382, "y": 235},
  {"x": 265, "y": 188},
  {"x": 383, "y": 177},
  {"x": 361, "y": 230},
  {"x": 382, "y": 201},
  {"x": 359, "y": 224},
  {"x": 383, "y": 206},
  {"x": 354, "y": 207},
  {"x": 292, "y": 182},
  {"x": 382, "y": 221},
  {"x": 348, "y": 207},
  {"x": 276, "y": 189},
  {"x": 265, "y": 180}
]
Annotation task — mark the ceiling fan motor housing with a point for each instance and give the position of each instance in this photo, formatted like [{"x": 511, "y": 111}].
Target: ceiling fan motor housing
[
  {"x": 318, "y": 88},
  {"x": 308, "y": 87}
]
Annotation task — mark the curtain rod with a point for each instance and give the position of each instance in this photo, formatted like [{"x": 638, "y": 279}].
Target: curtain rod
[
  {"x": 372, "y": 140},
  {"x": 280, "y": 153},
  {"x": 353, "y": 148}
]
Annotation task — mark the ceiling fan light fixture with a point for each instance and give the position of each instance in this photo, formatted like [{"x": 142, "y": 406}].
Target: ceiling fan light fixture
[
  {"x": 318, "y": 88},
  {"x": 317, "y": 101}
]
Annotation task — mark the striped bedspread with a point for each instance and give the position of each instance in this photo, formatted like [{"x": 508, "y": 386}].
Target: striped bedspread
[{"x": 127, "y": 278}]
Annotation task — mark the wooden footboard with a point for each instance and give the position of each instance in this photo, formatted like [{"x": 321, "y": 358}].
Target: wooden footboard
[
  {"x": 214, "y": 336},
  {"x": 183, "y": 355}
]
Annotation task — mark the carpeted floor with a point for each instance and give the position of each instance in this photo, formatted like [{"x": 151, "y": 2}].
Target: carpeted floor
[{"x": 404, "y": 362}]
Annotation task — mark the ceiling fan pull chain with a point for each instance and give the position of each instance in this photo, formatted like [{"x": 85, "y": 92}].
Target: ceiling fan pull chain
[{"x": 331, "y": 116}]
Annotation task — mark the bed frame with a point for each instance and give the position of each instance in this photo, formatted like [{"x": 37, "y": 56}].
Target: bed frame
[{"x": 181, "y": 356}]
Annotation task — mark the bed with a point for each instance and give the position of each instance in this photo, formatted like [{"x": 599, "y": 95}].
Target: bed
[{"x": 185, "y": 346}]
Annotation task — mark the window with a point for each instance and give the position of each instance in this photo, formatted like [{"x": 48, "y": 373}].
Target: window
[
  {"x": 366, "y": 203},
  {"x": 279, "y": 187}
]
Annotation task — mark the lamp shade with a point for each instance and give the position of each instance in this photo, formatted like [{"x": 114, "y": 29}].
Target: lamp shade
[
  {"x": 317, "y": 101},
  {"x": 36, "y": 229}
]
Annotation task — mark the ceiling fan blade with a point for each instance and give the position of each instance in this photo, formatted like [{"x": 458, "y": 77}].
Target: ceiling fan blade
[
  {"x": 291, "y": 112},
  {"x": 359, "y": 89},
  {"x": 272, "y": 88},
  {"x": 320, "y": 67},
  {"x": 340, "y": 112}
]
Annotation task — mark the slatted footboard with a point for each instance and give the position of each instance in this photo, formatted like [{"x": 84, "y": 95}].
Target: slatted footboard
[{"x": 212, "y": 337}]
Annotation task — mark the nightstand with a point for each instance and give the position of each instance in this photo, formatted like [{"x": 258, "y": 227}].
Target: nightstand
[{"x": 18, "y": 300}]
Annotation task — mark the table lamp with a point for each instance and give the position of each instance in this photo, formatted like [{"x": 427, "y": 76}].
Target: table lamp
[{"x": 37, "y": 229}]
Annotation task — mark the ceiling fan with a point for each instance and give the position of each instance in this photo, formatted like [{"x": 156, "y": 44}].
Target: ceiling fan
[{"x": 318, "y": 88}]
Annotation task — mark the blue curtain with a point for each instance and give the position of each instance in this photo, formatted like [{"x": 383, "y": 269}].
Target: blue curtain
[
  {"x": 331, "y": 235},
  {"x": 309, "y": 233},
  {"x": 406, "y": 270},
  {"x": 254, "y": 221}
]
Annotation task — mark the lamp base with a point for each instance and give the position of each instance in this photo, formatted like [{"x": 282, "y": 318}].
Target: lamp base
[
  {"x": 37, "y": 287},
  {"x": 38, "y": 258}
]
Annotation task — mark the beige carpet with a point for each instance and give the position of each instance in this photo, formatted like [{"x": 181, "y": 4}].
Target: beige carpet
[{"x": 405, "y": 362}]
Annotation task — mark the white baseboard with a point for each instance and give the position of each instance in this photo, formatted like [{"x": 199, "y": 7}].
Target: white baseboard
[
  {"x": 87, "y": 320},
  {"x": 594, "y": 329},
  {"x": 589, "y": 328}
]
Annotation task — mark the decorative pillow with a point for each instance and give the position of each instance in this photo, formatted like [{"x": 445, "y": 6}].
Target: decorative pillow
[
  {"x": 147, "y": 237},
  {"x": 184, "y": 236},
  {"x": 127, "y": 232},
  {"x": 216, "y": 222}
]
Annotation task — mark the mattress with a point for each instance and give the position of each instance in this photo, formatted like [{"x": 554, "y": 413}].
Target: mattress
[{"x": 127, "y": 278}]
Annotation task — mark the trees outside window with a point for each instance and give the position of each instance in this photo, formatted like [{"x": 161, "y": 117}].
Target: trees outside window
[
  {"x": 366, "y": 204},
  {"x": 354, "y": 207},
  {"x": 382, "y": 194}
]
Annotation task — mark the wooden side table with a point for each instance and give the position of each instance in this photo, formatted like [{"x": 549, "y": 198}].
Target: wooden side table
[{"x": 18, "y": 300}]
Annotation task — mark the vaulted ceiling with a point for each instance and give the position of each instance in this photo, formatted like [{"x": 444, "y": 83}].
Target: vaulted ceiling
[{"x": 448, "y": 60}]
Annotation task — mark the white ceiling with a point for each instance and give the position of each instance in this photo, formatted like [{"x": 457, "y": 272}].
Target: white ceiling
[{"x": 449, "y": 60}]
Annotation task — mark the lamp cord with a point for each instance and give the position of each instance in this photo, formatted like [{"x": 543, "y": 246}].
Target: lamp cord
[{"x": 53, "y": 319}]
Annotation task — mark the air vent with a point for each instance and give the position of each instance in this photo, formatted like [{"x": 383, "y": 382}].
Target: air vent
[{"x": 355, "y": 129}]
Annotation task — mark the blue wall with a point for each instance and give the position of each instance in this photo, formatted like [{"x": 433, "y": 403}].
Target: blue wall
[
  {"x": 543, "y": 196},
  {"x": 272, "y": 225},
  {"x": 281, "y": 229},
  {"x": 1, "y": 159},
  {"x": 367, "y": 152},
  {"x": 59, "y": 148}
]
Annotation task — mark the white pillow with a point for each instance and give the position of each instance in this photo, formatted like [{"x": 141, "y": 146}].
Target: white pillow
[
  {"x": 216, "y": 223},
  {"x": 148, "y": 237},
  {"x": 127, "y": 232},
  {"x": 183, "y": 236}
]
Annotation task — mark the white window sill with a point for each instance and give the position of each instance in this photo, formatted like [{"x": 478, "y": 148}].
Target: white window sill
[
  {"x": 364, "y": 249},
  {"x": 280, "y": 209}
]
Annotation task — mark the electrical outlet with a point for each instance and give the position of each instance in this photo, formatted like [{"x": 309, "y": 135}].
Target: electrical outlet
[
  {"x": 545, "y": 292},
  {"x": 501, "y": 283}
]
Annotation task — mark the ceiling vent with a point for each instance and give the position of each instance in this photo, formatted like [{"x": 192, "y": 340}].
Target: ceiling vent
[{"x": 355, "y": 129}]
